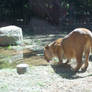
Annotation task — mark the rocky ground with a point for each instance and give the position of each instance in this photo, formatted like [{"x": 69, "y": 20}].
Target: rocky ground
[
  {"x": 41, "y": 76},
  {"x": 45, "y": 79}
]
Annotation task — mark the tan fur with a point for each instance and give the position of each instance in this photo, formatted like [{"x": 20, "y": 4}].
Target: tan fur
[
  {"x": 71, "y": 46},
  {"x": 54, "y": 50}
]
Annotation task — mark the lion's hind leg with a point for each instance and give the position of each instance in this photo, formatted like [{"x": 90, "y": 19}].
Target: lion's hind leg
[
  {"x": 87, "y": 51},
  {"x": 79, "y": 62}
]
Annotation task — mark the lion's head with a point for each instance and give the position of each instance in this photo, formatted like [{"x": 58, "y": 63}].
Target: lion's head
[
  {"x": 52, "y": 49},
  {"x": 49, "y": 52}
]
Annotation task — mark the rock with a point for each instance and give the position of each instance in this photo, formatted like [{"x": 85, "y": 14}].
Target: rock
[
  {"x": 22, "y": 68},
  {"x": 11, "y": 35}
]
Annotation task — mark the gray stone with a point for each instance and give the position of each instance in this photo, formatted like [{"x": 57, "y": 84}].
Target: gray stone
[{"x": 11, "y": 35}]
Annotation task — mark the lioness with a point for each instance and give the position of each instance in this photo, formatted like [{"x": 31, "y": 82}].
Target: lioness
[
  {"x": 71, "y": 46},
  {"x": 54, "y": 50}
]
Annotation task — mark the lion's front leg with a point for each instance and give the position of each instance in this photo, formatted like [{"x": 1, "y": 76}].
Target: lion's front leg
[
  {"x": 60, "y": 59},
  {"x": 60, "y": 62},
  {"x": 67, "y": 61},
  {"x": 60, "y": 55}
]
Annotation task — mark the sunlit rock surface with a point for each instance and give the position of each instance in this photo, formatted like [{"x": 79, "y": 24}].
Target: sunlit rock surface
[{"x": 11, "y": 35}]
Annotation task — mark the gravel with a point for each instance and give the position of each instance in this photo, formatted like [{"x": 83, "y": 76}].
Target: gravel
[{"x": 45, "y": 79}]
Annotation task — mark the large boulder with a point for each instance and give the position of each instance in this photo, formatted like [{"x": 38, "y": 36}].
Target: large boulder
[{"x": 11, "y": 35}]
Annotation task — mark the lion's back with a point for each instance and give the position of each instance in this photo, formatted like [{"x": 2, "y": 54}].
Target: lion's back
[{"x": 75, "y": 42}]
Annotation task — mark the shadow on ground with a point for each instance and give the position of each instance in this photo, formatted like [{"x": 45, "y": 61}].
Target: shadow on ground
[
  {"x": 90, "y": 58},
  {"x": 66, "y": 71}
]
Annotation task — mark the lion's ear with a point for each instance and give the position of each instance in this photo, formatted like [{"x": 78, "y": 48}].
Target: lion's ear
[
  {"x": 54, "y": 43},
  {"x": 47, "y": 47},
  {"x": 57, "y": 44}
]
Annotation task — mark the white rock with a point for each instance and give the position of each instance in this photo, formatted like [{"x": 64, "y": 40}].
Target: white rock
[{"x": 11, "y": 35}]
